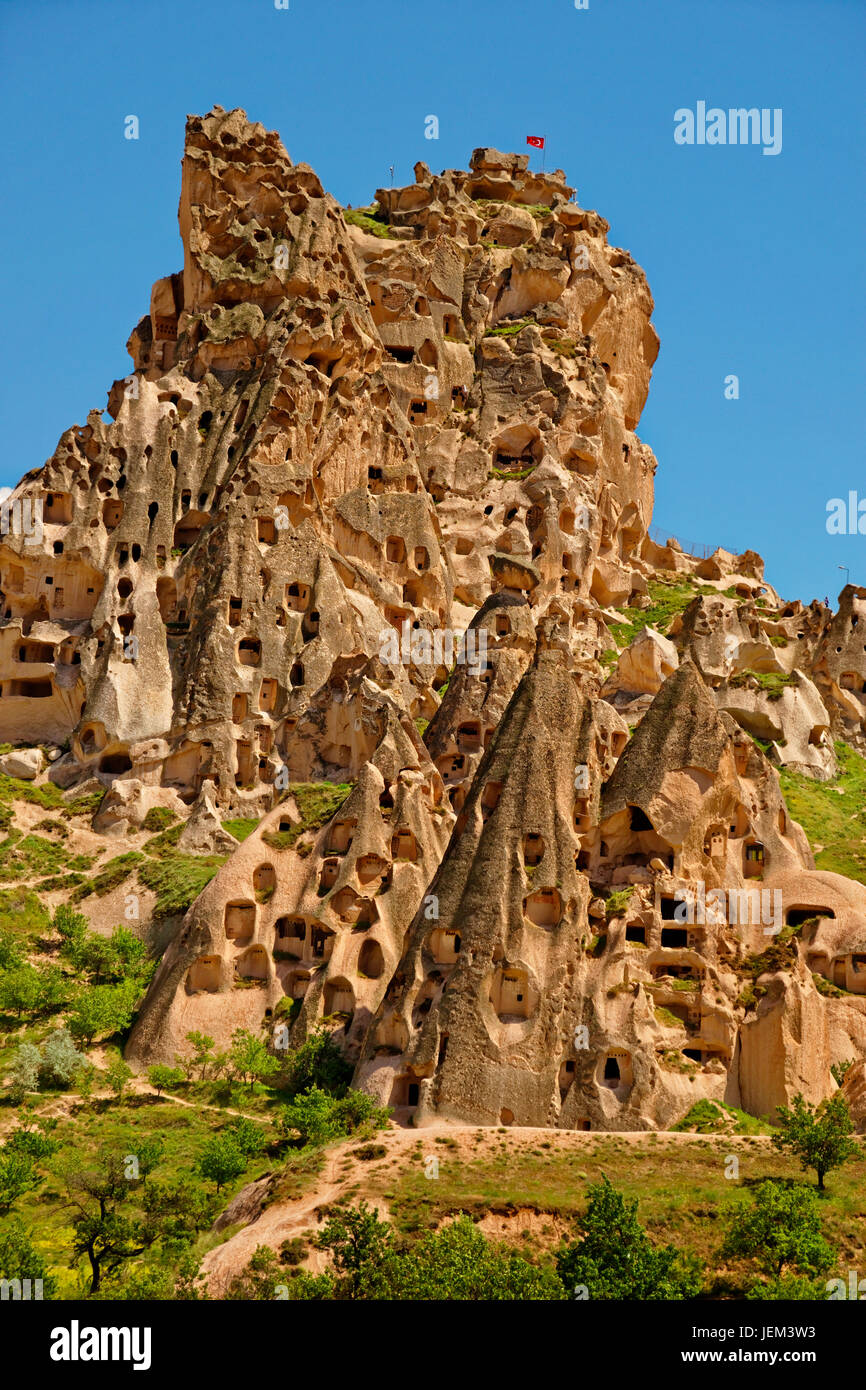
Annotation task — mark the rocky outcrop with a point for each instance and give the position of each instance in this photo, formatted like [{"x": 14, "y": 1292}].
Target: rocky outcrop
[{"x": 359, "y": 566}]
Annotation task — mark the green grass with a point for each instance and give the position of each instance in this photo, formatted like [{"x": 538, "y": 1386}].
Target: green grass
[
  {"x": 110, "y": 876},
  {"x": 177, "y": 879},
  {"x": 317, "y": 802},
  {"x": 47, "y": 795},
  {"x": 833, "y": 814},
  {"x": 681, "y": 1185},
  {"x": 32, "y": 856},
  {"x": 508, "y": 330},
  {"x": 714, "y": 1117},
  {"x": 22, "y": 911},
  {"x": 772, "y": 683},
  {"x": 241, "y": 827},
  {"x": 667, "y": 599},
  {"x": 159, "y": 818},
  {"x": 86, "y": 805},
  {"x": 370, "y": 219},
  {"x": 667, "y": 1019}
]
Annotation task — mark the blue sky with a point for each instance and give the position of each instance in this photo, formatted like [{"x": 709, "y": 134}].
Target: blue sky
[{"x": 756, "y": 262}]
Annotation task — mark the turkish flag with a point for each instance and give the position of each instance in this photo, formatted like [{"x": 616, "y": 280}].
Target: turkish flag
[{"x": 536, "y": 140}]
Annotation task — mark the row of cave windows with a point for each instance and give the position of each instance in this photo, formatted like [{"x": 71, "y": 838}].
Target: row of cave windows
[{"x": 615, "y": 1073}]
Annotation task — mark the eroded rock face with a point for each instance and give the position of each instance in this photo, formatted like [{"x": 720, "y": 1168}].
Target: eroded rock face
[{"x": 521, "y": 884}]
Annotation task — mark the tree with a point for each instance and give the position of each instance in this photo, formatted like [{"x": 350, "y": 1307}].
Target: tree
[
  {"x": 778, "y": 1226},
  {"x": 221, "y": 1160},
  {"x": 359, "y": 1242},
  {"x": 24, "y": 1149},
  {"x": 250, "y": 1058},
  {"x": 118, "y": 1076},
  {"x": 34, "y": 1140},
  {"x": 19, "y": 990},
  {"x": 202, "y": 1052},
  {"x": 319, "y": 1062},
  {"x": 312, "y": 1116},
  {"x": 102, "y": 1011},
  {"x": 10, "y": 950},
  {"x": 53, "y": 989},
  {"x": 20, "y": 1260},
  {"x": 615, "y": 1259},
  {"x": 102, "y": 1233},
  {"x": 24, "y": 1071},
  {"x": 17, "y": 1175},
  {"x": 60, "y": 1059},
  {"x": 250, "y": 1136},
  {"x": 163, "y": 1078},
  {"x": 71, "y": 927},
  {"x": 818, "y": 1136}
]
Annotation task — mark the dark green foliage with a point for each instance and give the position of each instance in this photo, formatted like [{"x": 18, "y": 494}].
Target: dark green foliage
[
  {"x": 777, "y": 1225},
  {"x": 818, "y": 1135},
  {"x": 615, "y": 1259}
]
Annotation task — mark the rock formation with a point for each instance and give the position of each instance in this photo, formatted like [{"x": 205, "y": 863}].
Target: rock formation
[{"x": 357, "y": 559}]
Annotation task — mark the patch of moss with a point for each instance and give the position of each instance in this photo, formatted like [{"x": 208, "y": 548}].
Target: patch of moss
[
  {"x": 317, "y": 802},
  {"x": 833, "y": 814},
  {"x": 507, "y": 330},
  {"x": 22, "y": 911},
  {"x": 773, "y": 683},
  {"x": 177, "y": 879},
  {"x": 667, "y": 1019},
  {"x": 371, "y": 219},
  {"x": 617, "y": 902},
  {"x": 667, "y": 598},
  {"x": 159, "y": 818},
  {"x": 241, "y": 827}
]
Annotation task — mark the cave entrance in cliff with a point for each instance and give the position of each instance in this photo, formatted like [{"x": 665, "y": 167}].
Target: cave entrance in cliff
[
  {"x": 797, "y": 916},
  {"x": 264, "y": 881},
  {"x": 490, "y": 798},
  {"x": 716, "y": 842},
  {"x": 444, "y": 945},
  {"x": 322, "y": 942},
  {"x": 239, "y": 920},
  {"x": 404, "y": 845},
  {"x": 533, "y": 850},
  {"x": 406, "y": 1091},
  {"x": 205, "y": 974},
  {"x": 544, "y": 908},
  {"x": 469, "y": 736},
  {"x": 753, "y": 859},
  {"x": 341, "y": 836},
  {"x": 292, "y": 933},
  {"x": 616, "y": 1070},
  {"x": 510, "y": 995},
  {"x": 253, "y": 965},
  {"x": 371, "y": 961},
  {"x": 339, "y": 998}
]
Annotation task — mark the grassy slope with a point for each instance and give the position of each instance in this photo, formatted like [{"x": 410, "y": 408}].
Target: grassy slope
[{"x": 833, "y": 814}]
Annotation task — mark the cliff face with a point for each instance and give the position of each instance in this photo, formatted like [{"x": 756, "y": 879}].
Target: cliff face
[{"x": 347, "y": 437}]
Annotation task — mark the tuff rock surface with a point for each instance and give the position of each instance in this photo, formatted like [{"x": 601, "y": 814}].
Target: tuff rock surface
[{"x": 345, "y": 437}]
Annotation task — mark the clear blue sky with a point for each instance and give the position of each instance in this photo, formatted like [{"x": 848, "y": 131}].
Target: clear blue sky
[{"x": 756, "y": 262}]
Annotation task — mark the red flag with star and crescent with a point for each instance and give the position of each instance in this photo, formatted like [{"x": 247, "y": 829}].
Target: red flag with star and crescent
[{"x": 536, "y": 140}]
